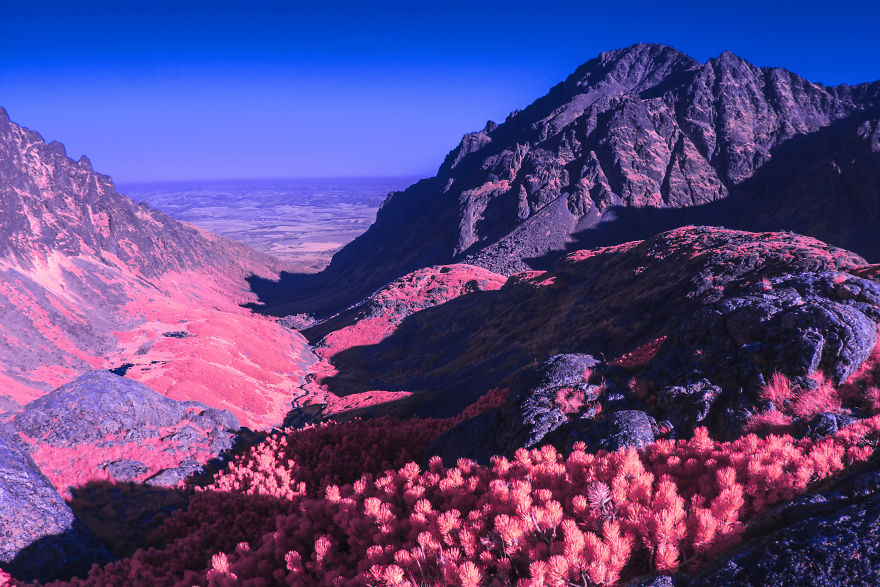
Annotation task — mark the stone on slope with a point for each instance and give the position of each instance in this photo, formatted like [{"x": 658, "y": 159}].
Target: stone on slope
[
  {"x": 40, "y": 538},
  {"x": 101, "y": 422}
]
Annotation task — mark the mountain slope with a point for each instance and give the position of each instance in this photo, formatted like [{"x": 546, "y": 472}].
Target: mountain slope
[
  {"x": 635, "y": 141},
  {"x": 89, "y": 279}
]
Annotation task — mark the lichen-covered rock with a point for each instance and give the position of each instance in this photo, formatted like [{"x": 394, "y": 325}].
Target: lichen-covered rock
[
  {"x": 173, "y": 476},
  {"x": 530, "y": 415},
  {"x": 794, "y": 324},
  {"x": 628, "y": 428},
  {"x": 125, "y": 469},
  {"x": 532, "y": 411},
  {"x": 40, "y": 538}
]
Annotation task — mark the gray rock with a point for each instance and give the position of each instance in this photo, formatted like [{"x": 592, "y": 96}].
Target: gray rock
[
  {"x": 171, "y": 477},
  {"x": 687, "y": 406},
  {"x": 40, "y": 538},
  {"x": 212, "y": 417},
  {"x": 628, "y": 428},
  {"x": 529, "y": 416},
  {"x": 93, "y": 406},
  {"x": 125, "y": 469},
  {"x": 530, "y": 412}
]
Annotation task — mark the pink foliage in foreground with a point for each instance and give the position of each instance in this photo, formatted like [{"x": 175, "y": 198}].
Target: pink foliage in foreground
[
  {"x": 343, "y": 504},
  {"x": 861, "y": 390}
]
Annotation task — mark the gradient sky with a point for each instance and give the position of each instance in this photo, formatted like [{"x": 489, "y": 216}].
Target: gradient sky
[{"x": 212, "y": 90}]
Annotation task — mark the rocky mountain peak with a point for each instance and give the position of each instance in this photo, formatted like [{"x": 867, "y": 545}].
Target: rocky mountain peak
[{"x": 634, "y": 141}]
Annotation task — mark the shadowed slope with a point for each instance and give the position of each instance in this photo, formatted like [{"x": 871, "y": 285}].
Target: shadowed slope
[{"x": 604, "y": 302}]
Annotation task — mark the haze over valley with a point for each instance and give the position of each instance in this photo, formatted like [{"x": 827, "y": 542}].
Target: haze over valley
[{"x": 301, "y": 221}]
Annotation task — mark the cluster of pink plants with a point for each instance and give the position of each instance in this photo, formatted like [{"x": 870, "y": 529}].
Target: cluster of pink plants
[
  {"x": 641, "y": 356},
  {"x": 573, "y": 400},
  {"x": 861, "y": 390},
  {"x": 347, "y": 504}
]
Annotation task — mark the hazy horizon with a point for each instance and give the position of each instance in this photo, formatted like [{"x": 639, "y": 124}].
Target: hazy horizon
[{"x": 359, "y": 180}]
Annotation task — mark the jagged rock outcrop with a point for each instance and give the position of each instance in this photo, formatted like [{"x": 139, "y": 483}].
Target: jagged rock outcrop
[
  {"x": 635, "y": 141},
  {"x": 40, "y": 538}
]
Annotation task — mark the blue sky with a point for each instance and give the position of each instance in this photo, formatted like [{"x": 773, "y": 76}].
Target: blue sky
[{"x": 212, "y": 90}]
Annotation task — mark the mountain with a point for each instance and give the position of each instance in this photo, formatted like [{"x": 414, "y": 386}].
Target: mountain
[
  {"x": 626, "y": 414},
  {"x": 635, "y": 141},
  {"x": 91, "y": 280}
]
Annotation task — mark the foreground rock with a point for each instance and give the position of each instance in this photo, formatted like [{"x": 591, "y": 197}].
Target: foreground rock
[
  {"x": 40, "y": 539},
  {"x": 103, "y": 425},
  {"x": 829, "y": 538}
]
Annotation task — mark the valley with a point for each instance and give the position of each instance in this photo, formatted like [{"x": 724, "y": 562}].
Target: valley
[
  {"x": 628, "y": 336},
  {"x": 300, "y": 221}
]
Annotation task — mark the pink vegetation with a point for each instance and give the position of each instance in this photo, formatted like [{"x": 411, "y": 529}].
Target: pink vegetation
[
  {"x": 68, "y": 467},
  {"x": 641, "y": 356},
  {"x": 229, "y": 358},
  {"x": 343, "y": 504},
  {"x": 861, "y": 390}
]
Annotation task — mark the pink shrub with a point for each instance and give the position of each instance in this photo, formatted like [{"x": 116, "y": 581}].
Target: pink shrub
[
  {"x": 809, "y": 402},
  {"x": 862, "y": 387},
  {"x": 778, "y": 390},
  {"x": 570, "y": 400},
  {"x": 343, "y": 504},
  {"x": 790, "y": 401},
  {"x": 641, "y": 356}
]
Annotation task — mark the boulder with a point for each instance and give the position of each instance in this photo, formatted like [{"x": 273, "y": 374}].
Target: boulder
[{"x": 40, "y": 538}]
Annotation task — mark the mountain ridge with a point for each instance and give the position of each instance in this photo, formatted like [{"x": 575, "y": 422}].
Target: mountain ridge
[
  {"x": 91, "y": 280},
  {"x": 644, "y": 128}
]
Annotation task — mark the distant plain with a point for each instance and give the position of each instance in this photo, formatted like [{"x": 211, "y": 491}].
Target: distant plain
[{"x": 301, "y": 221}]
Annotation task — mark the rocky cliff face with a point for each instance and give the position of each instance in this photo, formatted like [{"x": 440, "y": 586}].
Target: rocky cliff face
[
  {"x": 91, "y": 280},
  {"x": 50, "y": 204},
  {"x": 635, "y": 141}
]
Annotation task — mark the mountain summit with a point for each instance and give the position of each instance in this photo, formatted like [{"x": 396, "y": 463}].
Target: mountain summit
[{"x": 635, "y": 141}]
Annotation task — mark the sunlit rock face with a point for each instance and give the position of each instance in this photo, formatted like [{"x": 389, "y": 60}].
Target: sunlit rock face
[
  {"x": 91, "y": 280},
  {"x": 635, "y": 141}
]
